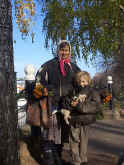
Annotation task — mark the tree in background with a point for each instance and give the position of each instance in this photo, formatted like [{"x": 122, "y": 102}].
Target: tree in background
[
  {"x": 100, "y": 80},
  {"x": 92, "y": 26},
  {"x": 118, "y": 68}
]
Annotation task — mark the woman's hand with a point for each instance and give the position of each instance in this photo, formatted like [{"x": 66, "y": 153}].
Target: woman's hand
[{"x": 74, "y": 102}]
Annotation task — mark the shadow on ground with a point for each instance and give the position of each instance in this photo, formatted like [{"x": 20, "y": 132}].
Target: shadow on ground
[
  {"x": 107, "y": 137},
  {"x": 100, "y": 152}
]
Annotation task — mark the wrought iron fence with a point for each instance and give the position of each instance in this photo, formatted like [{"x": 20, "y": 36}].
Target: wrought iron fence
[
  {"x": 21, "y": 110},
  {"x": 21, "y": 103}
]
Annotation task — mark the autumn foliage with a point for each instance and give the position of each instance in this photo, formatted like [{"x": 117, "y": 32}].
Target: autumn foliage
[{"x": 25, "y": 13}]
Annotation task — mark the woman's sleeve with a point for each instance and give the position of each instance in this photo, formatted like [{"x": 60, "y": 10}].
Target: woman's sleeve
[
  {"x": 66, "y": 102},
  {"x": 41, "y": 76},
  {"x": 76, "y": 68}
]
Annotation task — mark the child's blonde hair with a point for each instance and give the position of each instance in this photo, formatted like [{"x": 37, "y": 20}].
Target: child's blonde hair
[{"x": 83, "y": 74}]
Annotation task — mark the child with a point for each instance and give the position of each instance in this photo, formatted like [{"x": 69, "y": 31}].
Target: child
[{"x": 79, "y": 109}]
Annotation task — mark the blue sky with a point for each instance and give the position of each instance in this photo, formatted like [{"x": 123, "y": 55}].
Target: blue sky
[{"x": 26, "y": 52}]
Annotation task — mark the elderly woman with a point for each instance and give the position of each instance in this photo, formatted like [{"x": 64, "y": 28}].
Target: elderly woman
[{"x": 57, "y": 76}]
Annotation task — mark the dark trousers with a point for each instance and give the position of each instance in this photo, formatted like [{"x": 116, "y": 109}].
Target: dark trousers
[{"x": 35, "y": 131}]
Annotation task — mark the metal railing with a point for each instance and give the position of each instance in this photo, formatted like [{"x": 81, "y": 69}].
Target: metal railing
[{"x": 21, "y": 110}]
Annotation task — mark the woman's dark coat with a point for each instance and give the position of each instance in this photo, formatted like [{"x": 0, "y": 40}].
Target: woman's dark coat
[{"x": 50, "y": 76}]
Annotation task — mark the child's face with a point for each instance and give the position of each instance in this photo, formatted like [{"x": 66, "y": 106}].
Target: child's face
[
  {"x": 64, "y": 52},
  {"x": 83, "y": 82}
]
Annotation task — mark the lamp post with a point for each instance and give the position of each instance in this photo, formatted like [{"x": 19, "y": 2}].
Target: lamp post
[{"x": 110, "y": 82}]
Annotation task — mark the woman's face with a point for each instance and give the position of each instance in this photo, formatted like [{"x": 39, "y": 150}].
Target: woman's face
[{"x": 64, "y": 52}]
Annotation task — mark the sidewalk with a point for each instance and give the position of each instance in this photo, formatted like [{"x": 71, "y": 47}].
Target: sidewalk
[
  {"x": 107, "y": 136},
  {"x": 106, "y": 142}
]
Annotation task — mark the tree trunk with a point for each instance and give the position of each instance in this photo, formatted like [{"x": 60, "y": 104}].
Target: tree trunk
[{"x": 8, "y": 116}]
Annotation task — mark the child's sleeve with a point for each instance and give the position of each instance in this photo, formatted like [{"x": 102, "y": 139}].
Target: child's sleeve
[
  {"x": 97, "y": 100},
  {"x": 91, "y": 105}
]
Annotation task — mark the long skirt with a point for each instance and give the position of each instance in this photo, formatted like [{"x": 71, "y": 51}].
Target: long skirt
[
  {"x": 52, "y": 136},
  {"x": 54, "y": 132}
]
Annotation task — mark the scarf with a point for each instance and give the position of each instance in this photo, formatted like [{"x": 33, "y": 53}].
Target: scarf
[{"x": 61, "y": 63}]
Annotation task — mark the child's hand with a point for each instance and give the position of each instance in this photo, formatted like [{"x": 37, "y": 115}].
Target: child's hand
[{"x": 82, "y": 98}]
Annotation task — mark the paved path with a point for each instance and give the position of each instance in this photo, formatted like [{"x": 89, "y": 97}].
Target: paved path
[
  {"x": 106, "y": 142},
  {"x": 107, "y": 137}
]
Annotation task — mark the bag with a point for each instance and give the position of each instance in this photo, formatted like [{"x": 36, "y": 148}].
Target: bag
[
  {"x": 44, "y": 113},
  {"x": 33, "y": 115}
]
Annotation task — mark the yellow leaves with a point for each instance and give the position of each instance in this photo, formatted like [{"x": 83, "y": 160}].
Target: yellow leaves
[
  {"x": 108, "y": 98},
  {"x": 37, "y": 93},
  {"x": 39, "y": 86},
  {"x": 29, "y": 6},
  {"x": 25, "y": 13},
  {"x": 32, "y": 12},
  {"x": 24, "y": 30},
  {"x": 40, "y": 91}
]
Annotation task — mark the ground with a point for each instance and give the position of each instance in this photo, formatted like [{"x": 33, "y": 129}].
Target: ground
[{"x": 105, "y": 145}]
